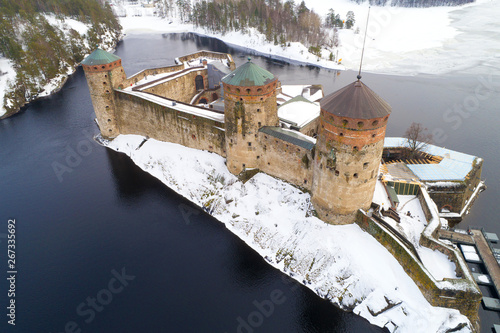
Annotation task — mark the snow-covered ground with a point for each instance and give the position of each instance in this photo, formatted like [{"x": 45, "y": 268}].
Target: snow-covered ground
[
  {"x": 7, "y": 74},
  {"x": 412, "y": 223},
  {"x": 341, "y": 263},
  {"x": 403, "y": 41}
]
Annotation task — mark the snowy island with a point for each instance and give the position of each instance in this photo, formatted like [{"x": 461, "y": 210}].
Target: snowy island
[{"x": 301, "y": 182}]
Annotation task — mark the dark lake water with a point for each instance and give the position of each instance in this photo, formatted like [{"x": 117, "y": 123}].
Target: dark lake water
[{"x": 105, "y": 217}]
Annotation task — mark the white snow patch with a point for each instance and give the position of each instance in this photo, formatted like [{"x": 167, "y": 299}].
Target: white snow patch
[
  {"x": 412, "y": 224},
  {"x": 437, "y": 263},
  {"x": 380, "y": 196},
  {"x": 410, "y": 41},
  {"x": 341, "y": 263},
  {"x": 7, "y": 75},
  {"x": 67, "y": 23},
  {"x": 484, "y": 278},
  {"x": 299, "y": 112},
  {"x": 470, "y": 253}
]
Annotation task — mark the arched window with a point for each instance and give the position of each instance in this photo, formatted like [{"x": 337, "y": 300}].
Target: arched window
[
  {"x": 199, "y": 82},
  {"x": 215, "y": 97}
]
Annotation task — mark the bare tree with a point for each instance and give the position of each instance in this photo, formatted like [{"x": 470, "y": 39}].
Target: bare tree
[{"x": 417, "y": 139}]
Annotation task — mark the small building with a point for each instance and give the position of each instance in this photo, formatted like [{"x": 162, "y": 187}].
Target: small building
[
  {"x": 300, "y": 114},
  {"x": 453, "y": 179}
]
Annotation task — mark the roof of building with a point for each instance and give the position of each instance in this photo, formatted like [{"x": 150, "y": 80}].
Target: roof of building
[
  {"x": 248, "y": 75},
  {"x": 299, "y": 111},
  {"x": 216, "y": 71},
  {"x": 100, "y": 57},
  {"x": 356, "y": 101},
  {"x": 454, "y": 166},
  {"x": 297, "y": 99},
  {"x": 293, "y": 137},
  {"x": 393, "y": 196}
]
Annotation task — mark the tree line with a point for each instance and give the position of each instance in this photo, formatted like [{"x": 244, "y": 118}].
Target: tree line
[
  {"x": 281, "y": 22},
  {"x": 415, "y": 3},
  {"x": 41, "y": 51}
]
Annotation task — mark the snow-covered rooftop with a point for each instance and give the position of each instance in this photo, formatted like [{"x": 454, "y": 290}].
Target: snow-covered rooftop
[
  {"x": 312, "y": 93},
  {"x": 299, "y": 111},
  {"x": 454, "y": 166}
]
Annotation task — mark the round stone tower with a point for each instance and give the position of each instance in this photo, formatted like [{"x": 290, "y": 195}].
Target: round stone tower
[
  {"x": 249, "y": 104},
  {"x": 104, "y": 72},
  {"x": 348, "y": 152}
]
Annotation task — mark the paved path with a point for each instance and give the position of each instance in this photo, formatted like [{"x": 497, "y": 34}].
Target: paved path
[
  {"x": 488, "y": 258},
  {"x": 456, "y": 237}
]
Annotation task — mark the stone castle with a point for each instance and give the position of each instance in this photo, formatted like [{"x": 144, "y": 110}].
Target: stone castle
[
  {"x": 330, "y": 146},
  {"x": 339, "y": 167}
]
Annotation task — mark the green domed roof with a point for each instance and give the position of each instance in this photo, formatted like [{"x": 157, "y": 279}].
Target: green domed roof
[
  {"x": 248, "y": 75},
  {"x": 100, "y": 57}
]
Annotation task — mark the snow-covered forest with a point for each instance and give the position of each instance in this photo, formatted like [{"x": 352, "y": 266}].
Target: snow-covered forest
[
  {"x": 281, "y": 22},
  {"x": 415, "y": 3},
  {"x": 45, "y": 40}
]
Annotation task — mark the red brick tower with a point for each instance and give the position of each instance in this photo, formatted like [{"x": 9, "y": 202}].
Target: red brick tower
[
  {"x": 350, "y": 142},
  {"x": 104, "y": 72},
  {"x": 249, "y": 104}
]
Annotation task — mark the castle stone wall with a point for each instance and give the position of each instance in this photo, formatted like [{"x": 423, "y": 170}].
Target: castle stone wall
[
  {"x": 460, "y": 294},
  {"x": 181, "y": 89},
  {"x": 147, "y": 73},
  {"x": 284, "y": 160},
  {"x": 311, "y": 129},
  {"x": 209, "y": 95},
  {"x": 139, "y": 116},
  {"x": 208, "y": 55}
]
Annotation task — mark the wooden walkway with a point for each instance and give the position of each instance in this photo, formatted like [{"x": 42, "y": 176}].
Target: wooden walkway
[
  {"x": 488, "y": 258},
  {"x": 456, "y": 237}
]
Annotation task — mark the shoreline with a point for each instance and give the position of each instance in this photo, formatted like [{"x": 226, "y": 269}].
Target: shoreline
[
  {"x": 336, "y": 269},
  {"x": 38, "y": 98}
]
